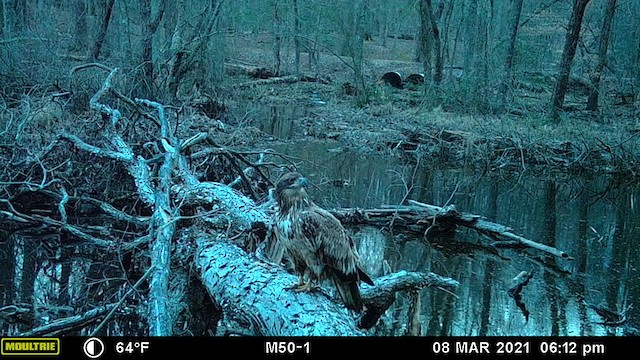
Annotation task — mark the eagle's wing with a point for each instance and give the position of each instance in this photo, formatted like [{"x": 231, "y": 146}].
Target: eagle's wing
[
  {"x": 330, "y": 241},
  {"x": 335, "y": 252}
]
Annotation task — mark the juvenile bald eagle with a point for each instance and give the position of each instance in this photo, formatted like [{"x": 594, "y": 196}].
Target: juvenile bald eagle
[{"x": 316, "y": 242}]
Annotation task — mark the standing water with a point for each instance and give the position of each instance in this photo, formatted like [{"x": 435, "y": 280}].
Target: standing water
[{"x": 596, "y": 221}]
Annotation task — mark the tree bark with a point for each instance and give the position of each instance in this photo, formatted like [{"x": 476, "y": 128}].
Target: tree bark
[
  {"x": 255, "y": 294},
  {"x": 22, "y": 15},
  {"x": 423, "y": 40},
  {"x": 8, "y": 18},
  {"x": 176, "y": 54},
  {"x": 570, "y": 44},
  {"x": 150, "y": 27},
  {"x": 435, "y": 33},
  {"x": 507, "y": 80},
  {"x": 358, "y": 50},
  {"x": 102, "y": 32},
  {"x": 277, "y": 37},
  {"x": 80, "y": 34},
  {"x": 296, "y": 38},
  {"x": 471, "y": 37},
  {"x": 592, "y": 102}
]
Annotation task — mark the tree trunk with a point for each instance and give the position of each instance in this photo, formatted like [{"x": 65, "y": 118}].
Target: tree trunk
[
  {"x": 296, "y": 39},
  {"x": 445, "y": 26},
  {"x": 507, "y": 81},
  {"x": 453, "y": 52},
  {"x": 80, "y": 34},
  {"x": 7, "y": 17},
  {"x": 22, "y": 15},
  {"x": 570, "y": 44},
  {"x": 277, "y": 39},
  {"x": 358, "y": 50},
  {"x": 102, "y": 32},
  {"x": 423, "y": 40},
  {"x": 435, "y": 33},
  {"x": 471, "y": 37},
  {"x": 592, "y": 103},
  {"x": 246, "y": 286},
  {"x": 150, "y": 27},
  {"x": 176, "y": 54},
  {"x": 2, "y": 18}
]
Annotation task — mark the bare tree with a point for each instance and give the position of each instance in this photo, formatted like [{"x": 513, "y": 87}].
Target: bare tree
[
  {"x": 102, "y": 32},
  {"x": 507, "y": 80},
  {"x": 358, "y": 48},
  {"x": 150, "y": 27},
  {"x": 277, "y": 37},
  {"x": 80, "y": 33},
  {"x": 592, "y": 102},
  {"x": 471, "y": 37},
  {"x": 570, "y": 44},
  {"x": 435, "y": 33},
  {"x": 423, "y": 40},
  {"x": 188, "y": 52},
  {"x": 296, "y": 38}
]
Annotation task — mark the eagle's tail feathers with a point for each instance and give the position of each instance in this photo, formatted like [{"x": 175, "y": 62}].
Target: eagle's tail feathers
[
  {"x": 363, "y": 276},
  {"x": 349, "y": 293}
]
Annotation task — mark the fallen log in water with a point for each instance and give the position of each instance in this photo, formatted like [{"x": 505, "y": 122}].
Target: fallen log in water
[{"x": 419, "y": 217}]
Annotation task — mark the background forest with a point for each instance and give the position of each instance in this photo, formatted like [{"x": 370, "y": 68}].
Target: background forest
[{"x": 132, "y": 133}]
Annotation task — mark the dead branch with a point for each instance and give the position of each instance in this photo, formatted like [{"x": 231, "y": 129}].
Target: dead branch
[
  {"x": 419, "y": 217},
  {"x": 380, "y": 297},
  {"x": 290, "y": 79},
  {"x": 124, "y": 297},
  {"x": 69, "y": 324}
]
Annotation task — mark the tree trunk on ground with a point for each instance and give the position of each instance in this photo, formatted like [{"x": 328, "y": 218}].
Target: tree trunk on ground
[
  {"x": 570, "y": 44},
  {"x": 246, "y": 286},
  {"x": 592, "y": 102},
  {"x": 102, "y": 32},
  {"x": 507, "y": 80}
]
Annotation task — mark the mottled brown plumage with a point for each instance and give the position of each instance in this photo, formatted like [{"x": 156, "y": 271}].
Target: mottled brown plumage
[{"x": 316, "y": 242}]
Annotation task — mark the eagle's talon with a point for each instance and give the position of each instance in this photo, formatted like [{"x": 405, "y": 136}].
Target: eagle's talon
[{"x": 307, "y": 287}]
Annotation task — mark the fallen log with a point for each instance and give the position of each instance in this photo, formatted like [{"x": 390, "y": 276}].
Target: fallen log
[
  {"x": 420, "y": 217},
  {"x": 253, "y": 71},
  {"x": 271, "y": 81},
  {"x": 256, "y": 294},
  {"x": 290, "y": 79}
]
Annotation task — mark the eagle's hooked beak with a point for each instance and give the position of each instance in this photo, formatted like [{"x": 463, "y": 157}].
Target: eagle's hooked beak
[{"x": 301, "y": 182}]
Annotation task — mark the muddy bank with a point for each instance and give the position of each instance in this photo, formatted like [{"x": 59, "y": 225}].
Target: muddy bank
[{"x": 400, "y": 124}]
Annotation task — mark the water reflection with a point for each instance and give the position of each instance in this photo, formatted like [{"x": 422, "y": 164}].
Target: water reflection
[{"x": 594, "y": 220}]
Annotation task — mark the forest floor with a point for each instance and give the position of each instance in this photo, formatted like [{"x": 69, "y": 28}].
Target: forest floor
[{"x": 439, "y": 129}]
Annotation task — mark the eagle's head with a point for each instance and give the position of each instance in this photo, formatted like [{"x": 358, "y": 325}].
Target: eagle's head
[{"x": 290, "y": 191}]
